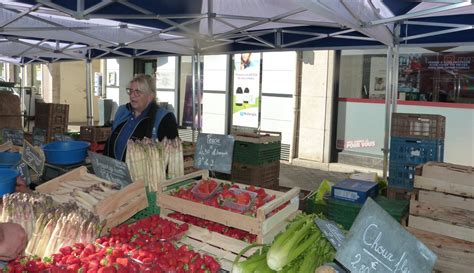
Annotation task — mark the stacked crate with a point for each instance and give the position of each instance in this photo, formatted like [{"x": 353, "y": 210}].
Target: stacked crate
[
  {"x": 188, "y": 156},
  {"x": 415, "y": 139},
  {"x": 53, "y": 118},
  {"x": 96, "y": 135},
  {"x": 442, "y": 214},
  {"x": 256, "y": 159}
]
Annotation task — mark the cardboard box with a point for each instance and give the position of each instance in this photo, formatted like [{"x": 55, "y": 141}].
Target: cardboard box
[{"x": 353, "y": 190}]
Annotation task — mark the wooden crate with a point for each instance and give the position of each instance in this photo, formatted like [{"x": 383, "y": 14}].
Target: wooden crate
[
  {"x": 49, "y": 115},
  {"x": 454, "y": 255},
  {"x": 394, "y": 193},
  {"x": 222, "y": 247},
  {"x": 258, "y": 136},
  {"x": 114, "y": 209},
  {"x": 439, "y": 218},
  {"x": 94, "y": 133},
  {"x": 453, "y": 173},
  {"x": 263, "y": 225}
]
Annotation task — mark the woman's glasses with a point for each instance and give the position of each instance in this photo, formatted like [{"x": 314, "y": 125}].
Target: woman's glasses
[{"x": 137, "y": 92}]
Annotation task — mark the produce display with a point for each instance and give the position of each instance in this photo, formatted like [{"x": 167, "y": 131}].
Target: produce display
[
  {"x": 300, "y": 248},
  {"x": 215, "y": 227},
  {"x": 225, "y": 196},
  {"x": 149, "y": 160},
  {"x": 49, "y": 226},
  {"x": 147, "y": 245},
  {"x": 85, "y": 193}
]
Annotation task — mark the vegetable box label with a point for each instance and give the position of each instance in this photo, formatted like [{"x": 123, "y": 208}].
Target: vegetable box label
[
  {"x": 214, "y": 152},
  {"x": 377, "y": 243},
  {"x": 34, "y": 157},
  {"x": 110, "y": 169}
]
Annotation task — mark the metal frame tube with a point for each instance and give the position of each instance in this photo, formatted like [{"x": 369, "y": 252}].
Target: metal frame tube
[
  {"x": 193, "y": 62},
  {"x": 388, "y": 114},
  {"x": 90, "y": 117},
  {"x": 199, "y": 92}
]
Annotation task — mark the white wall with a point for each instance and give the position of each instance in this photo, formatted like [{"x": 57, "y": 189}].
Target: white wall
[
  {"x": 278, "y": 78},
  {"x": 214, "y": 94},
  {"x": 316, "y": 106},
  {"x": 122, "y": 70}
]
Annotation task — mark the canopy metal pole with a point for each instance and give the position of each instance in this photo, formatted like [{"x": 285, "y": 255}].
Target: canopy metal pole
[
  {"x": 388, "y": 114},
  {"x": 194, "y": 93},
  {"x": 90, "y": 117},
  {"x": 395, "y": 78},
  {"x": 395, "y": 69},
  {"x": 199, "y": 92},
  {"x": 22, "y": 98}
]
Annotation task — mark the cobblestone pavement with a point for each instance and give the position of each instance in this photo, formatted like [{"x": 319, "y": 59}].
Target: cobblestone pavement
[{"x": 306, "y": 178}]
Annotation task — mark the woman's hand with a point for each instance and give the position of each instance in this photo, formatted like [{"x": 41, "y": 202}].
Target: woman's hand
[
  {"x": 21, "y": 185},
  {"x": 12, "y": 241}
]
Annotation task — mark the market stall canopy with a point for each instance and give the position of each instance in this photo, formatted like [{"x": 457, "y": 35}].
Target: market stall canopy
[
  {"x": 215, "y": 26},
  {"x": 104, "y": 38},
  {"x": 210, "y": 27}
]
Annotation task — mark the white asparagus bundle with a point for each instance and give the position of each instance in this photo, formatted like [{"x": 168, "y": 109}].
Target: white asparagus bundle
[{"x": 176, "y": 160}]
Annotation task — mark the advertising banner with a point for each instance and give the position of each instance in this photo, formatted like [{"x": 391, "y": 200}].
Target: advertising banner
[{"x": 246, "y": 90}]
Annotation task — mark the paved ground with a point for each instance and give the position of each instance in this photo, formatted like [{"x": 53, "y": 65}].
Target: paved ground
[{"x": 306, "y": 178}]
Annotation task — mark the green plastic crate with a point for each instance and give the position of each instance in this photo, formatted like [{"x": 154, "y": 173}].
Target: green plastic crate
[
  {"x": 150, "y": 210},
  {"x": 344, "y": 212},
  {"x": 256, "y": 153}
]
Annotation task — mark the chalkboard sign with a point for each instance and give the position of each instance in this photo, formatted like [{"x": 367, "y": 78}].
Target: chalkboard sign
[
  {"x": 39, "y": 136},
  {"x": 34, "y": 157},
  {"x": 214, "y": 152},
  {"x": 110, "y": 169},
  {"x": 331, "y": 231},
  {"x": 14, "y": 135},
  {"x": 24, "y": 172},
  {"x": 377, "y": 243}
]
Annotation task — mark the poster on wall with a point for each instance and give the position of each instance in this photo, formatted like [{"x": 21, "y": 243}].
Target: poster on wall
[
  {"x": 188, "y": 105},
  {"x": 246, "y": 89},
  {"x": 377, "y": 78}
]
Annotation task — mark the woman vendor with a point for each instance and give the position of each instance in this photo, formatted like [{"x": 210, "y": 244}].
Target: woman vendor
[{"x": 141, "y": 117}]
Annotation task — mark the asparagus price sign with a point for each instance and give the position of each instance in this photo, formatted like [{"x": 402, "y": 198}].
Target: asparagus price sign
[
  {"x": 110, "y": 169},
  {"x": 214, "y": 152},
  {"x": 377, "y": 243},
  {"x": 34, "y": 157}
]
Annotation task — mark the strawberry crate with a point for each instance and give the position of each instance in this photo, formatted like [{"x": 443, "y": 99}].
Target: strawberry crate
[
  {"x": 236, "y": 205},
  {"x": 270, "y": 219},
  {"x": 94, "y": 133},
  {"x": 50, "y": 115},
  {"x": 418, "y": 126},
  {"x": 205, "y": 195},
  {"x": 255, "y": 174}
]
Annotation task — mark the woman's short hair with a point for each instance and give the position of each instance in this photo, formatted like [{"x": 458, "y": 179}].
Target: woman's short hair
[{"x": 145, "y": 83}]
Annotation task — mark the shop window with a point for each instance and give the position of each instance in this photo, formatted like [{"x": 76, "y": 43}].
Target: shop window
[{"x": 423, "y": 76}]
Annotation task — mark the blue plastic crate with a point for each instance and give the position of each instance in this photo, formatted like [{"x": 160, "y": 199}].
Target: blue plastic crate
[
  {"x": 415, "y": 151},
  {"x": 401, "y": 175}
]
